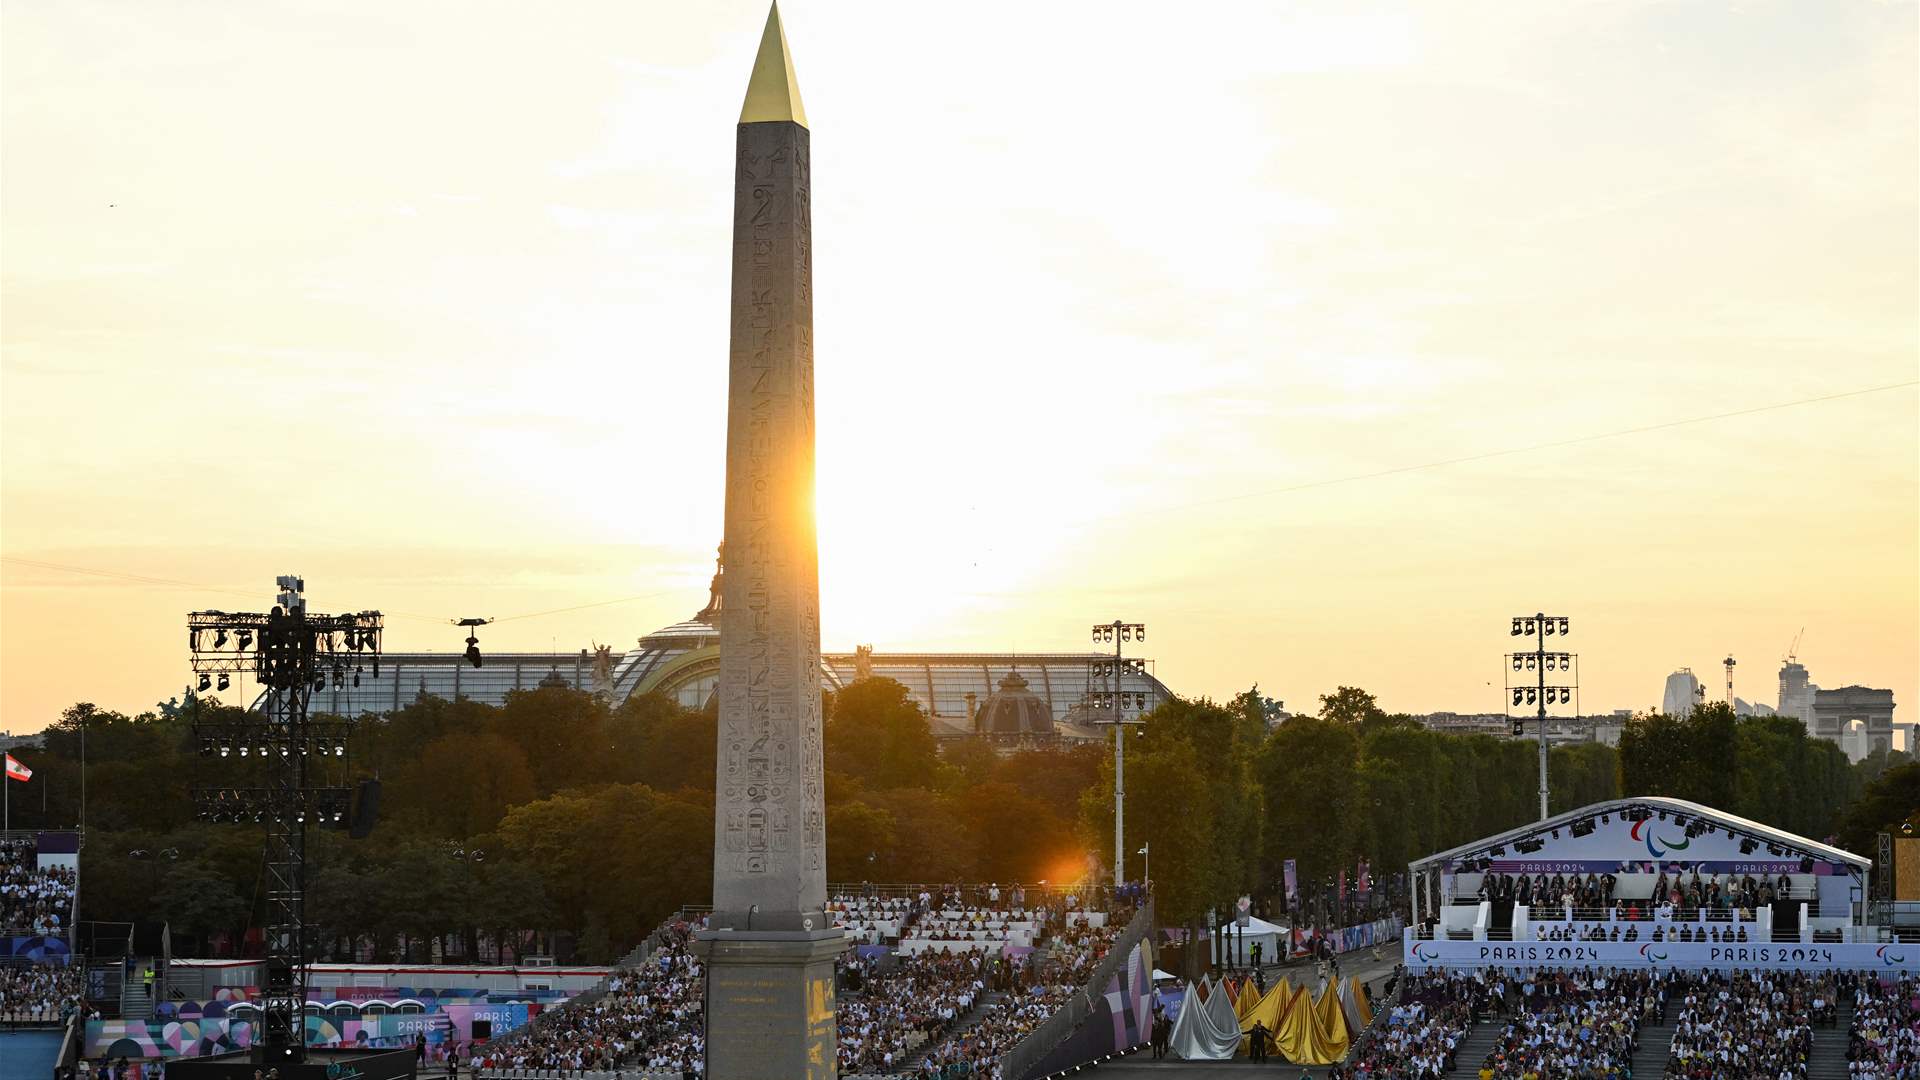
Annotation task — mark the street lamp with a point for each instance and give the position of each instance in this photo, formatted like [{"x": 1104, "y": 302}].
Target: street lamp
[{"x": 1146, "y": 853}]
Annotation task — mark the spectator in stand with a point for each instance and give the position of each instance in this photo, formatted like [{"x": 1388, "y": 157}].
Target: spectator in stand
[
  {"x": 1757, "y": 1024},
  {"x": 41, "y": 993},
  {"x": 1883, "y": 1042}
]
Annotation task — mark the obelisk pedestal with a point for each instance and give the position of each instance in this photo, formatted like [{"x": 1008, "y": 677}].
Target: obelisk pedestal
[{"x": 770, "y": 947}]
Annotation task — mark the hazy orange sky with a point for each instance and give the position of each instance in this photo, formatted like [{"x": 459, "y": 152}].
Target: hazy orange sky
[{"x": 428, "y": 302}]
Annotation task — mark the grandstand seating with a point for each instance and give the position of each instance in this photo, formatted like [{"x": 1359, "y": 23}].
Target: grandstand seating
[{"x": 33, "y": 902}]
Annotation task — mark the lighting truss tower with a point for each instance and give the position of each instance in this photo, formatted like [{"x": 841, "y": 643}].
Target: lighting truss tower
[
  {"x": 292, "y": 654},
  {"x": 1540, "y": 661},
  {"x": 1728, "y": 663},
  {"x": 1113, "y": 705}
]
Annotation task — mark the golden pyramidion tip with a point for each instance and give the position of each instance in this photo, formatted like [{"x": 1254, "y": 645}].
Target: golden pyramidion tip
[{"x": 773, "y": 94}]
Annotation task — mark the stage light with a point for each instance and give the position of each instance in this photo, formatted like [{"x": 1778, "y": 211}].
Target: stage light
[
  {"x": 1516, "y": 662},
  {"x": 1516, "y": 628},
  {"x": 473, "y": 650},
  {"x": 319, "y": 682},
  {"x": 246, "y": 639},
  {"x": 1747, "y": 845},
  {"x": 206, "y": 682},
  {"x": 206, "y": 747},
  {"x": 1563, "y": 626},
  {"x": 1139, "y": 633},
  {"x": 339, "y": 750},
  {"x": 219, "y": 639},
  {"x": 223, "y": 749},
  {"x": 1516, "y": 695},
  {"x": 225, "y": 681}
]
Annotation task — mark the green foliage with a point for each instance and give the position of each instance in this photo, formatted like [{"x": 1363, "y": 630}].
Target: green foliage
[
  {"x": 880, "y": 736},
  {"x": 1350, "y": 705},
  {"x": 1892, "y": 799},
  {"x": 1762, "y": 767}
]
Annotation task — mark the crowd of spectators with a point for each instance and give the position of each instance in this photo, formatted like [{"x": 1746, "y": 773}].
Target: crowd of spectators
[
  {"x": 1883, "y": 1041},
  {"x": 931, "y": 1014},
  {"x": 32, "y": 900},
  {"x": 1571, "y": 1023},
  {"x": 1420, "y": 1036},
  {"x": 924, "y": 994},
  {"x": 40, "y": 993},
  {"x": 1749, "y": 1024},
  {"x": 649, "y": 1018}
]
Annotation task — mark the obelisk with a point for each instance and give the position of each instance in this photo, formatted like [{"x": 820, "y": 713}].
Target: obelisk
[{"x": 770, "y": 947}]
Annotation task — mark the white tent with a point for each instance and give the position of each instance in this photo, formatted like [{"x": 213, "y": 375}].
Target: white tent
[{"x": 1271, "y": 938}]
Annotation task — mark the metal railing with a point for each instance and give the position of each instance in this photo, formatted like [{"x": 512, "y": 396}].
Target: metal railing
[{"x": 1030, "y": 1051}]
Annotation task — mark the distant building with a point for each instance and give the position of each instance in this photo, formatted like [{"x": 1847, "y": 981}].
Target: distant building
[
  {"x": 682, "y": 662},
  {"x": 1858, "y": 718},
  {"x": 1743, "y": 707},
  {"x": 1683, "y": 692},
  {"x": 1796, "y": 692}
]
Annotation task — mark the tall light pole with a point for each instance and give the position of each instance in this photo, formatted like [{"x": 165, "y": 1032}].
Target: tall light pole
[
  {"x": 1115, "y": 703},
  {"x": 1146, "y": 869},
  {"x": 1540, "y": 626}
]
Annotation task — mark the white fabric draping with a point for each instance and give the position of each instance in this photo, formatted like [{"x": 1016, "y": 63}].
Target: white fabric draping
[
  {"x": 1206, "y": 1031},
  {"x": 1351, "y": 1008}
]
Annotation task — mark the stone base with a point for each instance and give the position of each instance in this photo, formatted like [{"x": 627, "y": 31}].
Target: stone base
[{"x": 770, "y": 1004}]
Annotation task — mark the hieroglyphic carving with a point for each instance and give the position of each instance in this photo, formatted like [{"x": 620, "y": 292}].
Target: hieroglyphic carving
[{"x": 770, "y": 817}]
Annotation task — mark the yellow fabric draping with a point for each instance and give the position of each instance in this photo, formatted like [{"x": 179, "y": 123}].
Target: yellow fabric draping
[
  {"x": 1293, "y": 1040},
  {"x": 1333, "y": 1024},
  {"x": 1246, "y": 998},
  {"x": 1360, "y": 1000},
  {"x": 1268, "y": 1010}
]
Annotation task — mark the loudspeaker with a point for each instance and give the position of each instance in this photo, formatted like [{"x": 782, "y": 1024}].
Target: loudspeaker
[
  {"x": 366, "y": 810},
  {"x": 482, "y": 1030},
  {"x": 1806, "y": 864}
]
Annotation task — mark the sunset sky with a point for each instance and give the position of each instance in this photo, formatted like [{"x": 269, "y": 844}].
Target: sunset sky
[{"x": 428, "y": 302}]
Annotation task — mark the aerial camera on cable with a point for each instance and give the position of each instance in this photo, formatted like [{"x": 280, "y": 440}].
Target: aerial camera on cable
[{"x": 473, "y": 642}]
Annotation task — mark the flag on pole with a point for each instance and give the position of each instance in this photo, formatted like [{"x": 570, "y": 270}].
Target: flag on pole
[
  {"x": 1293, "y": 885},
  {"x": 17, "y": 771},
  {"x": 1365, "y": 879}
]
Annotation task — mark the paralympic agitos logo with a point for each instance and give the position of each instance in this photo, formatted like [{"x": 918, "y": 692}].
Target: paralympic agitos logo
[
  {"x": 1425, "y": 954},
  {"x": 1653, "y": 847},
  {"x": 1646, "y": 953},
  {"x": 1889, "y": 959}
]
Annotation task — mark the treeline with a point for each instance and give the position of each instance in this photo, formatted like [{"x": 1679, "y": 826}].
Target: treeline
[
  {"x": 1762, "y": 767},
  {"x": 591, "y": 823},
  {"x": 559, "y": 822},
  {"x": 1222, "y": 799}
]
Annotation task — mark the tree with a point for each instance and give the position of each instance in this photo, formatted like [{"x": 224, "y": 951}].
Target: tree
[
  {"x": 857, "y": 834},
  {"x": 1889, "y": 802},
  {"x": 1350, "y": 705},
  {"x": 877, "y": 733},
  {"x": 1308, "y": 772}
]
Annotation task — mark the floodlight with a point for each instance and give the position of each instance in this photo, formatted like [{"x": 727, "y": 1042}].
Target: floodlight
[{"x": 206, "y": 681}]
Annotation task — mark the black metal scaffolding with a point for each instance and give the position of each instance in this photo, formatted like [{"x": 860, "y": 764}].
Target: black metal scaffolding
[{"x": 291, "y": 653}]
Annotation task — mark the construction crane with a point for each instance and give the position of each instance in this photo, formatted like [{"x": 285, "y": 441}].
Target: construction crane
[{"x": 1793, "y": 650}]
